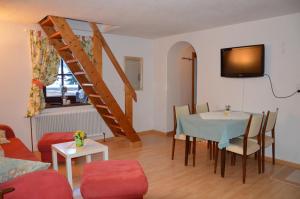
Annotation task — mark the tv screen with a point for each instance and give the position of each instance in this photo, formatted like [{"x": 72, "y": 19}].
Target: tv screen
[{"x": 244, "y": 61}]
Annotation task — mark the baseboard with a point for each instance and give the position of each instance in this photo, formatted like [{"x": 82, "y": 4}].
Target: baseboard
[
  {"x": 283, "y": 162},
  {"x": 170, "y": 133}
]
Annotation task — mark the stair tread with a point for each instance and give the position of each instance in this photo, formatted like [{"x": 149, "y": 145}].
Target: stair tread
[
  {"x": 47, "y": 22},
  {"x": 109, "y": 116},
  {"x": 102, "y": 106},
  {"x": 56, "y": 35},
  {"x": 66, "y": 47},
  {"x": 87, "y": 84},
  {"x": 95, "y": 95},
  {"x": 71, "y": 61},
  {"x": 116, "y": 126},
  {"x": 79, "y": 73}
]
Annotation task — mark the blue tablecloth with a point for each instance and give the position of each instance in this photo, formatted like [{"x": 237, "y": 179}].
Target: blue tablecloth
[{"x": 216, "y": 130}]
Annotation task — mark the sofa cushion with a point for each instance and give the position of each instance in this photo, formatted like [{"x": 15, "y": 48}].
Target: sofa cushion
[
  {"x": 113, "y": 179},
  {"x": 16, "y": 149},
  {"x": 47, "y": 184},
  {"x": 3, "y": 139},
  {"x": 11, "y": 168}
]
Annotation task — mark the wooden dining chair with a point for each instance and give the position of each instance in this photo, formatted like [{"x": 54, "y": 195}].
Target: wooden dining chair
[
  {"x": 177, "y": 112},
  {"x": 246, "y": 146},
  {"x": 204, "y": 108},
  {"x": 269, "y": 126}
]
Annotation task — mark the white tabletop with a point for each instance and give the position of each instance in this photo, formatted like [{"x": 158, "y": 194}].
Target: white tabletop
[
  {"x": 69, "y": 149},
  {"x": 234, "y": 115}
]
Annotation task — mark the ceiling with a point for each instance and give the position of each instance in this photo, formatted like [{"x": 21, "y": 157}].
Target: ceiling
[{"x": 149, "y": 18}]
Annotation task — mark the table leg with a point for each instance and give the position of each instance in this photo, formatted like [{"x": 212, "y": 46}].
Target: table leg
[
  {"x": 88, "y": 158},
  {"x": 223, "y": 158},
  {"x": 69, "y": 171},
  {"x": 194, "y": 151},
  {"x": 216, "y": 158},
  {"x": 187, "y": 140},
  {"x": 54, "y": 160},
  {"x": 105, "y": 154}
]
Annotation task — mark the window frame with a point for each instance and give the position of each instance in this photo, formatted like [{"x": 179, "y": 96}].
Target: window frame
[{"x": 56, "y": 101}]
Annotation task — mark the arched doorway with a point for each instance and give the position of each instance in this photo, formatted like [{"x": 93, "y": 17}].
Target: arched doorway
[{"x": 181, "y": 78}]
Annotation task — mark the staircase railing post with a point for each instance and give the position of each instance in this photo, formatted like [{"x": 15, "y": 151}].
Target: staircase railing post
[
  {"x": 128, "y": 104},
  {"x": 97, "y": 53}
]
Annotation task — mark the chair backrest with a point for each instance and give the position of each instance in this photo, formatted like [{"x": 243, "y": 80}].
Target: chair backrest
[
  {"x": 255, "y": 125},
  {"x": 270, "y": 120},
  {"x": 202, "y": 108},
  {"x": 179, "y": 111}
]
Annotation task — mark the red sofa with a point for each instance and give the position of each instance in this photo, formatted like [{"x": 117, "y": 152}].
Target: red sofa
[{"x": 49, "y": 183}]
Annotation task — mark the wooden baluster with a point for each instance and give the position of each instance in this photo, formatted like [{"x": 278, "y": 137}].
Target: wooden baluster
[{"x": 128, "y": 104}]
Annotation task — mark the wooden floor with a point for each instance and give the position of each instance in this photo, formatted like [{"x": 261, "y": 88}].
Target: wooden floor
[{"x": 171, "y": 179}]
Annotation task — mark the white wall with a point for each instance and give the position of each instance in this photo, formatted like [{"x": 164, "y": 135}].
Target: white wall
[
  {"x": 179, "y": 79},
  {"x": 281, "y": 38},
  {"x": 15, "y": 77}
]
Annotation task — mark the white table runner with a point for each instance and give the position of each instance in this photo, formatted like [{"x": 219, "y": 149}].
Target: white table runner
[{"x": 224, "y": 115}]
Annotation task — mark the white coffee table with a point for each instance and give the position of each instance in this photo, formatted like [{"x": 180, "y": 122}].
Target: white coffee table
[{"x": 69, "y": 150}]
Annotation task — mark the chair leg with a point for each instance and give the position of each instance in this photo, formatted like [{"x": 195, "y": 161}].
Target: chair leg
[
  {"x": 244, "y": 168},
  {"x": 194, "y": 151},
  {"x": 255, "y": 156},
  {"x": 190, "y": 147},
  {"x": 213, "y": 149},
  {"x": 210, "y": 149},
  {"x": 263, "y": 160},
  {"x": 216, "y": 159},
  {"x": 259, "y": 161},
  {"x": 273, "y": 153},
  {"x": 173, "y": 148},
  {"x": 186, "y": 157}
]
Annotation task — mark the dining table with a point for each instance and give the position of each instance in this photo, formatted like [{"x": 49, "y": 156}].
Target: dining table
[{"x": 217, "y": 126}]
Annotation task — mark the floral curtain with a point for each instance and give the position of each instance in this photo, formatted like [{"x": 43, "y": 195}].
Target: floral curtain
[
  {"x": 87, "y": 44},
  {"x": 44, "y": 60}
]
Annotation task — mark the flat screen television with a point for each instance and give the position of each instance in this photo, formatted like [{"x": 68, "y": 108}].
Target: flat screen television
[{"x": 243, "y": 61}]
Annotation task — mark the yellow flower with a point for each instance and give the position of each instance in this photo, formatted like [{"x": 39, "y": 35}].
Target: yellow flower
[{"x": 80, "y": 133}]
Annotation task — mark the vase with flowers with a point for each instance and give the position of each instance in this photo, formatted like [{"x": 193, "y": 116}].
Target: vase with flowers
[{"x": 79, "y": 137}]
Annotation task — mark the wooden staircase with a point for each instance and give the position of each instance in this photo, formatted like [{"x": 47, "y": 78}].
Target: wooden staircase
[{"x": 89, "y": 74}]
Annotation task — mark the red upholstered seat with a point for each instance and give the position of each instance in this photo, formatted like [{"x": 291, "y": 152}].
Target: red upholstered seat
[
  {"x": 48, "y": 139},
  {"x": 16, "y": 149},
  {"x": 47, "y": 184},
  {"x": 113, "y": 179}
]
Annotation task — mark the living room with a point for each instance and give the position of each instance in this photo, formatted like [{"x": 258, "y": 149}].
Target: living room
[{"x": 150, "y": 34}]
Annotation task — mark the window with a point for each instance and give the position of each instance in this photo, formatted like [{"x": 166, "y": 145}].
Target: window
[{"x": 65, "y": 90}]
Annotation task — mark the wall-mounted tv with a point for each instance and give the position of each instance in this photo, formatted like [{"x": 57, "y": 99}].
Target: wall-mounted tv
[{"x": 243, "y": 61}]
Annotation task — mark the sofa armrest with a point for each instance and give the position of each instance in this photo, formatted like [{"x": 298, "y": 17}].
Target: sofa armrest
[
  {"x": 8, "y": 131},
  {"x": 5, "y": 191}
]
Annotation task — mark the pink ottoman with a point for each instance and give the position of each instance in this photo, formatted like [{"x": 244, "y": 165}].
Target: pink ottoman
[
  {"x": 48, "y": 139},
  {"x": 113, "y": 179}
]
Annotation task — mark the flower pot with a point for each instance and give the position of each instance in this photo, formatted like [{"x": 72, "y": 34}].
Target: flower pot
[{"x": 79, "y": 142}]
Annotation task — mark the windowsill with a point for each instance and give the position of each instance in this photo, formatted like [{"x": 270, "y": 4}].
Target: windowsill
[{"x": 57, "y": 105}]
